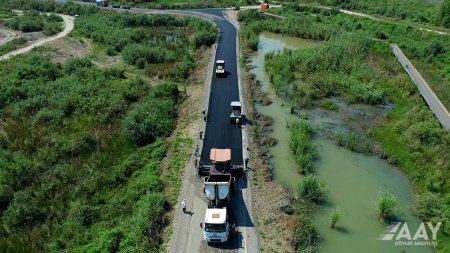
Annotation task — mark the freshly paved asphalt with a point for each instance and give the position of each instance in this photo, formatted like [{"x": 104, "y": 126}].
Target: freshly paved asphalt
[{"x": 220, "y": 133}]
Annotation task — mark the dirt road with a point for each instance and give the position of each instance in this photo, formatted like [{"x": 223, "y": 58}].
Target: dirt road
[
  {"x": 6, "y": 36},
  {"x": 68, "y": 26}
]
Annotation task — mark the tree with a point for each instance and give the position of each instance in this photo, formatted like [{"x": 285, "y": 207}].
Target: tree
[{"x": 386, "y": 206}]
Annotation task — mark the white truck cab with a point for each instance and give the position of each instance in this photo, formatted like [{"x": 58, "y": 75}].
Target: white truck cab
[{"x": 216, "y": 227}]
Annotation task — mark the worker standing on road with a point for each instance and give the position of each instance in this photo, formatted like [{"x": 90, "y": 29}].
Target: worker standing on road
[
  {"x": 233, "y": 227},
  {"x": 183, "y": 205},
  {"x": 201, "y": 135},
  {"x": 196, "y": 150}
]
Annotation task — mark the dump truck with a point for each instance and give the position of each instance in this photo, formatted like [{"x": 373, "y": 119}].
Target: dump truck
[
  {"x": 235, "y": 115},
  {"x": 216, "y": 227},
  {"x": 103, "y": 3},
  {"x": 220, "y": 68},
  {"x": 218, "y": 186}
]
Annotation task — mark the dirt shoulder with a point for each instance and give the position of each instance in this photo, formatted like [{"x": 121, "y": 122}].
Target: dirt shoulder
[
  {"x": 68, "y": 27},
  {"x": 182, "y": 182}
]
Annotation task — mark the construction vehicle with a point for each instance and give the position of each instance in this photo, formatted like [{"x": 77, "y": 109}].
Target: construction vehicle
[
  {"x": 103, "y": 3},
  {"x": 218, "y": 186},
  {"x": 235, "y": 115},
  {"x": 217, "y": 225},
  {"x": 220, "y": 68}
]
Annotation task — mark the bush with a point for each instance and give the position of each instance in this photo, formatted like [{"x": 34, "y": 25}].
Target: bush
[
  {"x": 306, "y": 237},
  {"x": 300, "y": 142},
  {"x": 54, "y": 18},
  {"x": 429, "y": 205},
  {"x": 386, "y": 206},
  {"x": 311, "y": 189},
  {"x": 52, "y": 29},
  {"x": 335, "y": 217},
  {"x": 153, "y": 118}
]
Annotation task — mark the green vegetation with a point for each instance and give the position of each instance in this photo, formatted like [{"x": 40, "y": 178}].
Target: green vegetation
[
  {"x": 301, "y": 144},
  {"x": 181, "y": 152},
  {"x": 335, "y": 216},
  {"x": 33, "y": 21},
  {"x": 81, "y": 146},
  {"x": 430, "y": 207},
  {"x": 65, "y": 125},
  {"x": 312, "y": 189},
  {"x": 150, "y": 42},
  {"x": 6, "y": 13},
  {"x": 328, "y": 104},
  {"x": 354, "y": 63},
  {"x": 12, "y": 45},
  {"x": 444, "y": 14},
  {"x": 154, "y": 118},
  {"x": 412, "y": 10},
  {"x": 386, "y": 206},
  {"x": 69, "y": 8}
]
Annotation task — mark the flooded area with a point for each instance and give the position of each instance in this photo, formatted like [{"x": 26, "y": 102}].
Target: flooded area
[{"x": 354, "y": 180}]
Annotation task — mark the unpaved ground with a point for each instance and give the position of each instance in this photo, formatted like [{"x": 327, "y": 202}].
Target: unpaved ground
[
  {"x": 275, "y": 228},
  {"x": 68, "y": 27},
  {"x": 6, "y": 35},
  {"x": 63, "y": 49}
]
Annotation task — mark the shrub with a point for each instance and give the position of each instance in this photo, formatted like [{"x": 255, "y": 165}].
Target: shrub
[
  {"x": 54, "y": 18},
  {"x": 311, "y": 189},
  {"x": 386, "y": 206},
  {"x": 153, "y": 118},
  {"x": 52, "y": 29},
  {"x": 335, "y": 216},
  {"x": 306, "y": 237},
  {"x": 300, "y": 142},
  {"x": 429, "y": 205}
]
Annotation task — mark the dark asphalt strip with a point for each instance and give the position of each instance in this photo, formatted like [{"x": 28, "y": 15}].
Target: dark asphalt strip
[{"x": 220, "y": 133}]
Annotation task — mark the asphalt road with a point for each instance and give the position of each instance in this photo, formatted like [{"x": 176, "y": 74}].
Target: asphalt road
[
  {"x": 427, "y": 93},
  {"x": 219, "y": 132}
]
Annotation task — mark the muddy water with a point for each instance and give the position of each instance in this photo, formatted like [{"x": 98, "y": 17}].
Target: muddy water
[
  {"x": 282, "y": 160},
  {"x": 354, "y": 180}
]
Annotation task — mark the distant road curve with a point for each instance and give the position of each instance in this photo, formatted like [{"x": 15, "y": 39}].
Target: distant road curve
[
  {"x": 68, "y": 27},
  {"x": 427, "y": 93}
]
